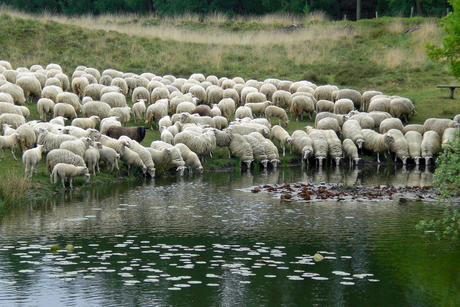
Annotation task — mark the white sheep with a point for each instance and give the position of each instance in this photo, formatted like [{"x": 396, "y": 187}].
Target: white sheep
[
  {"x": 139, "y": 108},
  {"x": 121, "y": 84},
  {"x": 241, "y": 149},
  {"x": 352, "y": 95},
  {"x": 281, "y": 98},
  {"x": 58, "y": 120},
  {"x": 155, "y": 112},
  {"x": 7, "y": 130},
  {"x": 379, "y": 116},
  {"x": 123, "y": 114},
  {"x": 97, "y": 108},
  {"x": 202, "y": 144},
  {"x": 174, "y": 153},
  {"x": 223, "y": 139},
  {"x": 65, "y": 110},
  {"x": 324, "y": 106},
  {"x": 343, "y": 106},
  {"x": 27, "y": 137},
  {"x": 190, "y": 158},
  {"x": 56, "y": 156},
  {"x": 130, "y": 157},
  {"x": 334, "y": 145},
  {"x": 214, "y": 94},
  {"x": 77, "y": 146},
  {"x": 302, "y": 144},
  {"x": 109, "y": 156},
  {"x": 108, "y": 122},
  {"x": 15, "y": 91},
  {"x": 376, "y": 142},
  {"x": 159, "y": 93},
  {"x": 69, "y": 98},
  {"x": 449, "y": 135},
  {"x": 366, "y": 98},
  {"x": 381, "y": 104},
  {"x": 246, "y": 128},
  {"x": 85, "y": 123},
  {"x": 51, "y": 140},
  {"x": 11, "y": 142},
  {"x": 144, "y": 155},
  {"x": 282, "y": 136},
  {"x": 243, "y": 111},
  {"x": 227, "y": 107},
  {"x": 302, "y": 104},
  {"x": 414, "y": 127},
  {"x": 366, "y": 121},
  {"x": 166, "y": 136},
  {"x": 258, "y": 108},
  {"x": 320, "y": 146},
  {"x": 414, "y": 142},
  {"x": 31, "y": 158},
  {"x": 351, "y": 129},
  {"x": 400, "y": 106},
  {"x": 5, "y": 97},
  {"x": 274, "y": 111},
  {"x": 185, "y": 106},
  {"x": 350, "y": 150},
  {"x": 440, "y": 124},
  {"x": 270, "y": 149},
  {"x": 431, "y": 145},
  {"x": 399, "y": 146},
  {"x": 51, "y": 92},
  {"x": 68, "y": 171},
  {"x": 31, "y": 86},
  {"x": 92, "y": 157},
  {"x": 139, "y": 93},
  {"x": 329, "y": 123},
  {"x": 14, "y": 120},
  {"x": 391, "y": 123},
  {"x": 232, "y": 94},
  {"x": 220, "y": 122},
  {"x": 78, "y": 85},
  {"x": 93, "y": 90},
  {"x": 268, "y": 89},
  {"x": 118, "y": 145},
  {"x": 186, "y": 117},
  {"x": 114, "y": 99}
]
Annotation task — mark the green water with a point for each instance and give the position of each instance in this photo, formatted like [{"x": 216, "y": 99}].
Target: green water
[{"x": 202, "y": 240}]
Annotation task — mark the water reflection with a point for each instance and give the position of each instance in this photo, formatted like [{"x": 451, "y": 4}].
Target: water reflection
[{"x": 216, "y": 245}]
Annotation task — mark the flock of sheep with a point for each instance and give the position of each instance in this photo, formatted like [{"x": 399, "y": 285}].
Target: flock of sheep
[{"x": 193, "y": 116}]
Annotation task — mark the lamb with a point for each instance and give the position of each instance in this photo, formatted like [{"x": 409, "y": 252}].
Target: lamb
[
  {"x": 77, "y": 146},
  {"x": 109, "y": 156},
  {"x": 303, "y": 144},
  {"x": 139, "y": 110},
  {"x": 86, "y": 123},
  {"x": 31, "y": 158},
  {"x": 414, "y": 127},
  {"x": 190, "y": 158},
  {"x": 351, "y": 129},
  {"x": 108, "y": 122},
  {"x": 69, "y": 171},
  {"x": 7, "y": 130},
  {"x": 15, "y": 91},
  {"x": 130, "y": 157},
  {"x": 302, "y": 104},
  {"x": 227, "y": 106},
  {"x": 243, "y": 112},
  {"x": 329, "y": 123},
  {"x": 274, "y": 111},
  {"x": 144, "y": 155},
  {"x": 390, "y": 123},
  {"x": 11, "y": 142},
  {"x": 56, "y": 156},
  {"x": 202, "y": 144},
  {"x": 376, "y": 142},
  {"x": 186, "y": 117},
  {"x": 414, "y": 142},
  {"x": 97, "y": 108},
  {"x": 65, "y": 110},
  {"x": 324, "y": 106},
  {"x": 351, "y": 151},
  {"x": 241, "y": 149},
  {"x": 352, "y": 95},
  {"x": 166, "y": 136},
  {"x": 320, "y": 145},
  {"x": 440, "y": 124},
  {"x": 92, "y": 157},
  {"x": 282, "y": 136},
  {"x": 176, "y": 157},
  {"x": 123, "y": 114},
  {"x": 431, "y": 145},
  {"x": 155, "y": 112},
  {"x": 114, "y": 100},
  {"x": 30, "y": 86},
  {"x": 50, "y": 140},
  {"x": 401, "y": 106},
  {"x": 69, "y": 98},
  {"x": 343, "y": 106},
  {"x": 399, "y": 146},
  {"x": 334, "y": 145},
  {"x": 281, "y": 98}
]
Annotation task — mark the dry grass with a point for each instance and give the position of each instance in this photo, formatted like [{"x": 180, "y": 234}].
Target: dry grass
[
  {"x": 395, "y": 27},
  {"x": 13, "y": 187}
]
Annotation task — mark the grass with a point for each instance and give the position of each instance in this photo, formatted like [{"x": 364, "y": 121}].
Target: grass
[{"x": 372, "y": 54}]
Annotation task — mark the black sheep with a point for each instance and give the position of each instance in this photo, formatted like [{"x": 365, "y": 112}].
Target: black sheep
[{"x": 134, "y": 133}]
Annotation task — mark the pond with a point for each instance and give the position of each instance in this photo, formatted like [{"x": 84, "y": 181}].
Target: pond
[{"x": 206, "y": 240}]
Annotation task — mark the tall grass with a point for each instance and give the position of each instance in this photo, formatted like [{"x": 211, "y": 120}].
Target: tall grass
[{"x": 13, "y": 188}]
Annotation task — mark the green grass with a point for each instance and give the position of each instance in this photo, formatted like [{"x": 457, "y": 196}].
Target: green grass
[{"x": 365, "y": 55}]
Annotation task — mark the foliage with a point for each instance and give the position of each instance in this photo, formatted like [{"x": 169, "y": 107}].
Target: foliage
[
  {"x": 447, "y": 178},
  {"x": 449, "y": 51},
  {"x": 13, "y": 188}
]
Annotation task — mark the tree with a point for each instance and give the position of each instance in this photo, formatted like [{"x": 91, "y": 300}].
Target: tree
[{"x": 450, "y": 49}]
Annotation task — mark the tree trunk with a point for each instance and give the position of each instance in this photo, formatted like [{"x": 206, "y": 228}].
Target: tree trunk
[
  {"x": 150, "y": 5},
  {"x": 419, "y": 7},
  {"x": 358, "y": 9}
]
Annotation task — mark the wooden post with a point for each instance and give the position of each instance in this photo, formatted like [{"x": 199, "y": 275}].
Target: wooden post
[
  {"x": 345, "y": 17},
  {"x": 376, "y": 14},
  {"x": 411, "y": 11}
]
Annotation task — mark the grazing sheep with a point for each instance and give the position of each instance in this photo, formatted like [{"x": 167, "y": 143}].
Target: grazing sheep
[
  {"x": 166, "y": 136},
  {"x": 214, "y": 95},
  {"x": 282, "y": 136},
  {"x": 78, "y": 85},
  {"x": 258, "y": 108},
  {"x": 352, "y": 95},
  {"x": 414, "y": 142},
  {"x": 14, "y": 120},
  {"x": 7, "y": 130},
  {"x": 343, "y": 106},
  {"x": 31, "y": 158},
  {"x": 440, "y": 124},
  {"x": 340, "y": 117},
  {"x": 350, "y": 150},
  {"x": 175, "y": 156},
  {"x": 302, "y": 144},
  {"x": 68, "y": 171},
  {"x": 399, "y": 146},
  {"x": 165, "y": 121},
  {"x": 324, "y": 92},
  {"x": 5, "y": 97},
  {"x": 232, "y": 94},
  {"x": 159, "y": 93},
  {"x": 414, "y": 127},
  {"x": 186, "y": 117},
  {"x": 77, "y": 146},
  {"x": 274, "y": 111},
  {"x": 96, "y": 108},
  {"x": 25, "y": 111},
  {"x": 270, "y": 149},
  {"x": 243, "y": 112},
  {"x": 190, "y": 158},
  {"x": 401, "y": 106},
  {"x": 320, "y": 145},
  {"x": 139, "y": 110},
  {"x": 366, "y": 99},
  {"x": 241, "y": 149},
  {"x": 108, "y": 122},
  {"x": 381, "y": 104},
  {"x": 9, "y": 141},
  {"x": 118, "y": 145},
  {"x": 199, "y": 92},
  {"x": 227, "y": 107},
  {"x": 121, "y": 84},
  {"x": 202, "y": 144},
  {"x": 281, "y": 98},
  {"x": 85, "y": 123},
  {"x": 223, "y": 139},
  {"x": 92, "y": 157},
  {"x": 130, "y": 157},
  {"x": 51, "y": 92},
  {"x": 185, "y": 106},
  {"x": 302, "y": 104},
  {"x": 15, "y": 91},
  {"x": 10, "y": 108},
  {"x": 242, "y": 129},
  {"x": 139, "y": 93},
  {"x": 431, "y": 145},
  {"x": 109, "y": 156},
  {"x": 390, "y": 123},
  {"x": 93, "y": 90},
  {"x": 144, "y": 155},
  {"x": 69, "y": 98},
  {"x": 30, "y": 86},
  {"x": 334, "y": 145},
  {"x": 254, "y": 97},
  {"x": 268, "y": 90},
  {"x": 64, "y": 110},
  {"x": 258, "y": 150},
  {"x": 366, "y": 121},
  {"x": 155, "y": 112},
  {"x": 376, "y": 142},
  {"x": 113, "y": 99},
  {"x": 123, "y": 114},
  {"x": 27, "y": 137},
  {"x": 351, "y": 129},
  {"x": 449, "y": 135},
  {"x": 56, "y": 156},
  {"x": 215, "y": 111},
  {"x": 329, "y": 123},
  {"x": 378, "y": 117},
  {"x": 324, "y": 106}
]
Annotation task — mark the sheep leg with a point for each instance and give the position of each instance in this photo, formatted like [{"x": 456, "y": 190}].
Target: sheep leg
[
  {"x": 62, "y": 180},
  {"x": 284, "y": 151},
  {"x": 70, "y": 179},
  {"x": 12, "y": 153},
  {"x": 3, "y": 154}
]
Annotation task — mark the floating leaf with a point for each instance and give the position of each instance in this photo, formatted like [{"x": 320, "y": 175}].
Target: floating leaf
[
  {"x": 318, "y": 257},
  {"x": 55, "y": 248},
  {"x": 69, "y": 248}
]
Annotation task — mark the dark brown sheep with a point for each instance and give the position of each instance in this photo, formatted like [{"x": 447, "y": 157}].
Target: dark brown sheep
[
  {"x": 202, "y": 110},
  {"x": 134, "y": 133}
]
